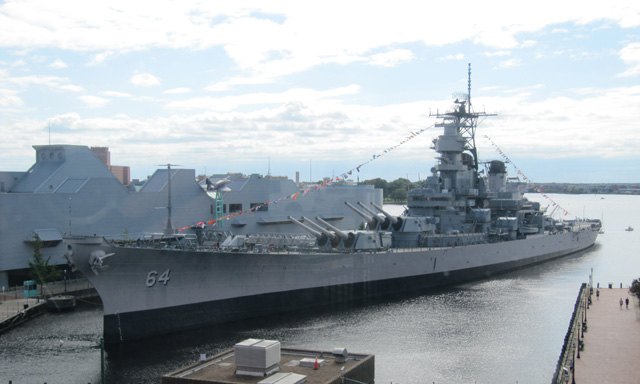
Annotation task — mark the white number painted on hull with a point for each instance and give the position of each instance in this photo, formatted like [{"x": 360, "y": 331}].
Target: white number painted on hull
[{"x": 152, "y": 278}]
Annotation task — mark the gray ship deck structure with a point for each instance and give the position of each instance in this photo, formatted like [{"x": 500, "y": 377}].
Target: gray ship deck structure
[{"x": 460, "y": 225}]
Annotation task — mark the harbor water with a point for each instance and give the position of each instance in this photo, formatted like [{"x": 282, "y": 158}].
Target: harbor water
[{"x": 505, "y": 329}]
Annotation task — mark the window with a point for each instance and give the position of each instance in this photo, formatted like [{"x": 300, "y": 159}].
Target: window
[{"x": 235, "y": 208}]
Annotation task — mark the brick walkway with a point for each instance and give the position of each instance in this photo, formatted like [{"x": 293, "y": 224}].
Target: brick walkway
[{"x": 612, "y": 340}]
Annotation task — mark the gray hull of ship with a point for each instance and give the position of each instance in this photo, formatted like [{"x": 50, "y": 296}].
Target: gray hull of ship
[{"x": 150, "y": 292}]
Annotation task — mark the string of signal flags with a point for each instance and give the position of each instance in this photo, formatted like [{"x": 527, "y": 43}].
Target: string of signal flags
[
  {"x": 350, "y": 172},
  {"x": 524, "y": 177},
  {"x": 297, "y": 195}
]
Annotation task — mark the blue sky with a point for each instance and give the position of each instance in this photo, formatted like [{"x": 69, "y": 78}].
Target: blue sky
[{"x": 320, "y": 87}]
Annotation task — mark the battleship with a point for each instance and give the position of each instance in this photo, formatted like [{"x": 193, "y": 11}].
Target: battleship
[{"x": 461, "y": 224}]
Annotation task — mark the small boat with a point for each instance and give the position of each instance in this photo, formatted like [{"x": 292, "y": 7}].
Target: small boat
[
  {"x": 629, "y": 229},
  {"x": 61, "y": 303}
]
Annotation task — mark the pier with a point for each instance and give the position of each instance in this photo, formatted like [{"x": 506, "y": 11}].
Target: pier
[
  {"x": 15, "y": 309},
  {"x": 601, "y": 345}
]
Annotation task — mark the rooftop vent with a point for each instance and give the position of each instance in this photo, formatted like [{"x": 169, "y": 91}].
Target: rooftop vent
[
  {"x": 340, "y": 354},
  {"x": 255, "y": 357}
]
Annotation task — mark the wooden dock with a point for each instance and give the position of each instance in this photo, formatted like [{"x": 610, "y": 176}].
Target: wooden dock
[{"x": 612, "y": 340}]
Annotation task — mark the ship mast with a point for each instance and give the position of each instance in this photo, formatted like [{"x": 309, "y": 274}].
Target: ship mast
[
  {"x": 168, "y": 230},
  {"x": 466, "y": 120}
]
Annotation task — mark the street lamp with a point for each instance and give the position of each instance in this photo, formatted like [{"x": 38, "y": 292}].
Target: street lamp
[
  {"x": 573, "y": 366},
  {"x": 65, "y": 280}
]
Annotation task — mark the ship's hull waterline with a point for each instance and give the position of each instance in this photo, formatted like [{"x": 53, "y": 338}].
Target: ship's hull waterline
[{"x": 151, "y": 292}]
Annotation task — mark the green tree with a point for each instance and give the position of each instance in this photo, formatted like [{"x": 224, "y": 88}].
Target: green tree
[
  {"x": 398, "y": 189},
  {"x": 398, "y": 195},
  {"x": 378, "y": 183},
  {"x": 635, "y": 287},
  {"x": 41, "y": 271}
]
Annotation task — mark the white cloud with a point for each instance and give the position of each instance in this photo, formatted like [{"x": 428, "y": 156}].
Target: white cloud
[
  {"x": 99, "y": 58},
  {"x": 145, "y": 80},
  {"x": 509, "y": 63},
  {"x": 497, "y": 53},
  {"x": 550, "y": 124},
  {"x": 71, "y": 88},
  {"x": 10, "y": 99},
  {"x": 177, "y": 91},
  {"x": 458, "y": 56},
  {"x": 52, "y": 82},
  {"x": 123, "y": 95},
  {"x": 528, "y": 43},
  {"x": 391, "y": 58},
  {"x": 264, "y": 49},
  {"x": 631, "y": 56},
  {"x": 94, "y": 101},
  {"x": 299, "y": 95},
  {"x": 58, "y": 64}
]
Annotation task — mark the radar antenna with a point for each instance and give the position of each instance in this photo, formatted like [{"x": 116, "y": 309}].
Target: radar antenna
[
  {"x": 465, "y": 119},
  {"x": 469, "y": 88}
]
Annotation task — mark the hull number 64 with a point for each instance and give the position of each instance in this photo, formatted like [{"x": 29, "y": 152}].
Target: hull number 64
[{"x": 153, "y": 278}]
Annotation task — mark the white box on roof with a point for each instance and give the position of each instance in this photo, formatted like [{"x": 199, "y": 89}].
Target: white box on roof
[{"x": 256, "y": 357}]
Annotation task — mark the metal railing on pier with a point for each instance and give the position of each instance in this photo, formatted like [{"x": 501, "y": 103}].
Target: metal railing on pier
[
  {"x": 15, "y": 306},
  {"x": 58, "y": 287},
  {"x": 574, "y": 339}
]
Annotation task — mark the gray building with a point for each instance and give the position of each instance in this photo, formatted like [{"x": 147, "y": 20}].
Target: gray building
[{"x": 69, "y": 190}]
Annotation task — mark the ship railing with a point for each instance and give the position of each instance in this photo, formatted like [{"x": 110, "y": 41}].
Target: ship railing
[{"x": 280, "y": 241}]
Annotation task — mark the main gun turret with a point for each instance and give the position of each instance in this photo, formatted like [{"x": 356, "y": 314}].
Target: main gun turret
[
  {"x": 369, "y": 220},
  {"x": 396, "y": 222},
  {"x": 347, "y": 238},
  {"x": 336, "y": 238},
  {"x": 322, "y": 239}
]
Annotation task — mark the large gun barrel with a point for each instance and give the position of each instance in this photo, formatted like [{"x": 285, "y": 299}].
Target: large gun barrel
[
  {"x": 310, "y": 230},
  {"x": 347, "y": 238},
  {"x": 393, "y": 219},
  {"x": 335, "y": 240},
  {"x": 375, "y": 215},
  {"x": 371, "y": 222},
  {"x": 323, "y": 239},
  {"x": 338, "y": 232},
  {"x": 326, "y": 232}
]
